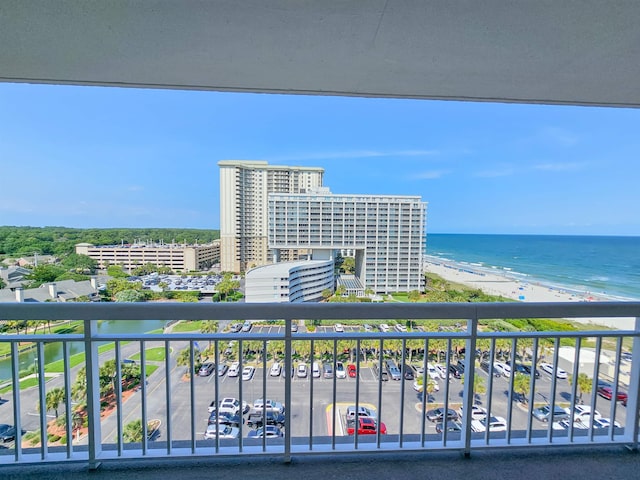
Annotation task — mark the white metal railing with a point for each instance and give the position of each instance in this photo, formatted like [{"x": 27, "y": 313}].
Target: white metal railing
[{"x": 315, "y": 407}]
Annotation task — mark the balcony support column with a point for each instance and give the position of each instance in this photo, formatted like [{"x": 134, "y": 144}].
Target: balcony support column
[
  {"x": 469, "y": 377},
  {"x": 93, "y": 393},
  {"x": 633, "y": 403}
]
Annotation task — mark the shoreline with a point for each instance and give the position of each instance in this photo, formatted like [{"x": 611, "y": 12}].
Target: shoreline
[{"x": 522, "y": 290}]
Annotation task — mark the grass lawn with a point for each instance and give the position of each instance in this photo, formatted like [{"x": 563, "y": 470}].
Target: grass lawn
[
  {"x": 26, "y": 383},
  {"x": 187, "y": 326},
  {"x": 155, "y": 354}
]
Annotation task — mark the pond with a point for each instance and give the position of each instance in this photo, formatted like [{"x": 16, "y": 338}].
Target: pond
[{"x": 53, "y": 351}]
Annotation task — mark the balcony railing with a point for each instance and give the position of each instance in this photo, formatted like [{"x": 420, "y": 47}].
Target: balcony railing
[{"x": 460, "y": 351}]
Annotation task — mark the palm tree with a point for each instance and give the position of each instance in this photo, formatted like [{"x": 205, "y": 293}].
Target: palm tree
[
  {"x": 209, "y": 326},
  {"x": 132, "y": 432},
  {"x": 79, "y": 388},
  {"x": 585, "y": 384},
  {"x": 521, "y": 385},
  {"x": 54, "y": 398}
]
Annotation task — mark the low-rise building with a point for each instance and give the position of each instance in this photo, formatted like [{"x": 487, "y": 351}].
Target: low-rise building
[
  {"x": 62, "y": 291},
  {"x": 302, "y": 281},
  {"x": 177, "y": 257}
]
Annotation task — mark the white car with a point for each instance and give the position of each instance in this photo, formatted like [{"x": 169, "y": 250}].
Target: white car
[
  {"x": 270, "y": 405},
  {"x": 400, "y": 328},
  {"x": 341, "y": 372},
  {"x": 433, "y": 373},
  {"x": 247, "y": 372},
  {"x": 560, "y": 373},
  {"x": 582, "y": 412},
  {"x": 502, "y": 368},
  {"x": 229, "y": 405},
  {"x": 362, "y": 412},
  {"x": 276, "y": 369},
  {"x": 338, "y": 328},
  {"x": 383, "y": 327},
  {"x": 477, "y": 412},
  {"x": 302, "y": 370},
  {"x": 441, "y": 370},
  {"x": 234, "y": 370},
  {"x": 221, "y": 431},
  {"x": 496, "y": 424}
]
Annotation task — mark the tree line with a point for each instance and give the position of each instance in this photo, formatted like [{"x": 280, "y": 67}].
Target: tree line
[{"x": 60, "y": 241}]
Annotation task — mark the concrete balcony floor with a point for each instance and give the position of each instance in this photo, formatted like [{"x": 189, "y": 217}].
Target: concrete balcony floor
[{"x": 549, "y": 463}]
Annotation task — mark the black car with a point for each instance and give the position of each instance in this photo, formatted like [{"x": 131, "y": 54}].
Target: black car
[
  {"x": 438, "y": 414},
  {"x": 225, "y": 419},
  {"x": 455, "y": 371},
  {"x": 7, "y": 432},
  {"x": 255, "y": 420},
  {"x": 526, "y": 369},
  {"x": 451, "y": 426}
]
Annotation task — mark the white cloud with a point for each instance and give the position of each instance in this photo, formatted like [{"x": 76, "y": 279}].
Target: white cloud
[
  {"x": 559, "y": 167},
  {"x": 429, "y": 175}
]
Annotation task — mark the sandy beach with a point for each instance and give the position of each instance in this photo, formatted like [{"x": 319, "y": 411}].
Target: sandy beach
[{"x": 517, "y": 289}]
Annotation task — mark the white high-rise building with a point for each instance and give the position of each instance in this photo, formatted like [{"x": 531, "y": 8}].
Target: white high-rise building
[
  {"x": 244, "y": 189},
  {"x": 386, "y": 232}
]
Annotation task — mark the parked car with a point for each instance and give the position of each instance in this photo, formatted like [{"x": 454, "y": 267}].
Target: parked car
[
  {"x": 453, "y": 370},
  {"x": 382, "y": 375},
  {"x": 340, "y": 370},
  {"x": 315, "y": 370},
  {"x": 559, "y": 373},
  {"x": 246, "y": 326},
  {"x": 451, "y": 426},
  {"x": 221, "y": 431},
  {"x": 234, "y": 370},
  {"x": 338, "y": 328},
  {"x": 7, "y": 432},
  {"x": 247, "y": 372},
  {"x": 222, "y": 369},
  {"x": 270, "y": 431},
  {"x": 256, "y": 420},
  {"x": 526, "y": 369},
  {"x": 225, "y": 418},
  {"x": 327, "y": 370},
  {"x": 383, "y": 327},
  {"x": 366, "y": 426},
  {"x": 235, "y": 327},
  {"x": 408, "y": 372},
  {"x": 606, "y": 391},
  {"x": 362, "y": 412},
  {"x": 433, "y": 372},
  {"x": 494, "y": 424},
  {"x": 544, "y": 413},
  {"x": 275, "y": 370},
  {"x": 206, "y": 369},
  {"x": 477, "y": 412},
  {"x": 581, "y": 412},
  {"x": 438, "y": 414},
  {"x": 294, "y": 326},
  {"x": 270, "y": 405},
  {"x": 351, "y": 370},
  {"x": 400, "y": 328},
  {"x": 229, "y": 405},
  {"x": 302, "y": 370},
  {"x": 502, "y": 368},
  {"x": 392, "y": 370}
]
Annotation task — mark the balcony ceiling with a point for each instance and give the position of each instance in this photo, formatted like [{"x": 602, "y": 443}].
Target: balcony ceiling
[{"x": 556, "y": 52}]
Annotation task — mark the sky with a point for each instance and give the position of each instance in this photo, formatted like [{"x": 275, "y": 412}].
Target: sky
[{"x": 116, "y": 157}]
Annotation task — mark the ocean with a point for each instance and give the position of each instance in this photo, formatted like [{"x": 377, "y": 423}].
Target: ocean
[{"x": 606, "y": 266}]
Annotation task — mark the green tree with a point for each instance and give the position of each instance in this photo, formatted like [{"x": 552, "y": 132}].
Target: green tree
[
  {"x": 349, "y": 265},
  {"x": 326, "y": 293},
  {"x": 116, "y": 271},
  {"x": 44, "y": 273},
  {"x": 132, "y": 432},
  {"x": 521, "y": 386},
  {"x": 54, "y": 398},
  {"x": 209, "y": 326},
  {"x": 585, "y": 384},
  {"x": 79, "y": 263},
  {"x": 414, "y": 296},
  {"x": 130, "y": 296}
]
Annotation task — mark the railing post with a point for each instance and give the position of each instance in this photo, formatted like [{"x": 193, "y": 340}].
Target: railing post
[
  {"x": 469, "y": 377},
  {"x": 93, "y": 393},
  {"x": 633, "y": 400},
  {"x": 288, "y": 363}
]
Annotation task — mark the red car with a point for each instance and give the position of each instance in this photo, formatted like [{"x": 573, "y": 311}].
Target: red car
[
  {"x": 607, "y": 392},
  {"x": 367, "y": 426},
  {"x": 351, "y": 370}
]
